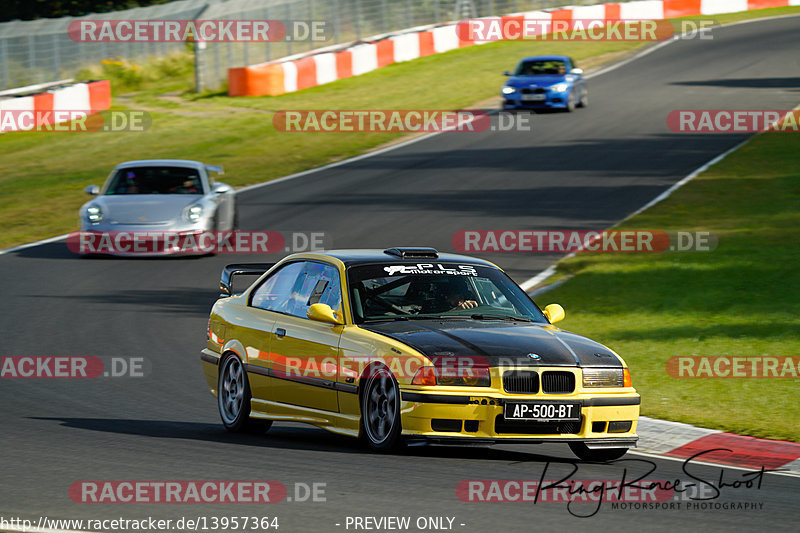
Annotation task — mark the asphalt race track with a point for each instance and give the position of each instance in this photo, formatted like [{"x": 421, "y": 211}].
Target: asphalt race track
[{"x": 586, "y": 170}]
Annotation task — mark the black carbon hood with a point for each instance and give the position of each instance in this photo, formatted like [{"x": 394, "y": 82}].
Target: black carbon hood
[{"x": 500, "y": 343}]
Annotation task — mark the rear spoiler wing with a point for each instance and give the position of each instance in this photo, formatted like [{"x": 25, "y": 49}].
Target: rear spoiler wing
[
  {"x": 230, "y": 271},
  {"x": 215, "y": 168}
]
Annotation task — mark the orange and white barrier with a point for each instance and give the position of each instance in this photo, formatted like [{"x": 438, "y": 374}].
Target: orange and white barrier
[
  {"x": 88, "y": 98},
  {"x": 324, "y": 66}
]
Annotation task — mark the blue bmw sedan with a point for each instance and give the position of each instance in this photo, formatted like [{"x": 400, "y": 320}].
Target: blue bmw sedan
[{"x": 545, "y": 82}]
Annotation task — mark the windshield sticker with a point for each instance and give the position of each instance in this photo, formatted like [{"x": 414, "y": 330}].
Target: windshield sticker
[{"x": 430, "y": 268}]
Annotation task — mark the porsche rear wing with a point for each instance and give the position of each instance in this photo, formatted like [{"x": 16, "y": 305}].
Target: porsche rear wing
[{"x": 236, "y": 269}]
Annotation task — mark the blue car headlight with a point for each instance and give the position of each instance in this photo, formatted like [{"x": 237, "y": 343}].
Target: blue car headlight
[
  {"x": 509, "y": 90},
  {"x": 560, "y": 88}
]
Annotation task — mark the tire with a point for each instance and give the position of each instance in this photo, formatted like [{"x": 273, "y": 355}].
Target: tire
[
  {"x": 600, "y": 455},
  {"x": 233, "y": 398},
  {"x": 570, "y": 104},
  {"x": 584, "y": 101},
  {"x": 380, "y": 411}
]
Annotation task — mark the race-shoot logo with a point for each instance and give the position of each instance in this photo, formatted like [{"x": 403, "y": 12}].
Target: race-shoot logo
[
  {"x": 572, "y": 241},
  {"x": 74, "y": 121},
  {"x": 179, "y": 31},
  {"x": 733, "y": 121},
  {"x": 515, "y": 28},
  {"x": 195, "y": 242},
  {"x": 734, "y": 367}
]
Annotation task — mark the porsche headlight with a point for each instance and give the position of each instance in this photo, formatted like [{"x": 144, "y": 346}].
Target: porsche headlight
[
  {"x": 194, "y": 212},
  {"x": 509, "y": 90},
  {"x": 603, "y": 377},
  {"x": 560, "y": 88},
  {"x": 94, "y": 213}
]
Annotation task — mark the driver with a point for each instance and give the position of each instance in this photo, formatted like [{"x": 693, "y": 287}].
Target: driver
[{"x": 456, "y": 295}]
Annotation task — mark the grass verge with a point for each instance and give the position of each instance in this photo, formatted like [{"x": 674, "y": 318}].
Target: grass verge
[
  {"x": 42, "y": 174},
  {"x": 742, "y": 299}
]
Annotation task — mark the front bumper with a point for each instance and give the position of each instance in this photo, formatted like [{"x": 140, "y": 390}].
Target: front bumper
[
  {"x": 552, "y": 100},
  {"x": 141, "y": 241},
  {"x": 607, "y": 420}
]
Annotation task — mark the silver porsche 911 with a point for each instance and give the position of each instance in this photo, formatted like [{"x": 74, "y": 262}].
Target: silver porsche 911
[{"x": 160, "y": 195}]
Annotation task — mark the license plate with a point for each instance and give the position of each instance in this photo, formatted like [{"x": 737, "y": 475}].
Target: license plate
[
  {"x": 543, "y": 412},
  {"x": 533, "y": 97}
]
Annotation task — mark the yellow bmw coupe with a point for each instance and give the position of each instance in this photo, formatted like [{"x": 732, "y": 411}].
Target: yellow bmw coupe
[{"x": 409, "y": 344}]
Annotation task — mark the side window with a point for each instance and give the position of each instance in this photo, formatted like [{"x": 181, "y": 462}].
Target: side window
[
  {"x": 273, "y": 293},
  {"x": 317, "y": 283}
]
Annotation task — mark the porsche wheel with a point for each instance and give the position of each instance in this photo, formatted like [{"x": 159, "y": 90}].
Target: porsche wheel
[
  {"x": 600, "y": 455},
  {"x": 380, "y": 411},
  {"x": 233, "y": 398}
]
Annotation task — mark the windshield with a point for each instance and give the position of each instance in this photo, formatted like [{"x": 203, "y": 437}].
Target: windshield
[
  {"x": 393, "y": 292},
  {"x": 155, "y": 180},
  {"x": 541, "y": 68}
]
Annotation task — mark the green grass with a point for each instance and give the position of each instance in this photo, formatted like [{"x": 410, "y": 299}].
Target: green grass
[
  {"x": 742, "y": 299},
  {"x": 42, "y": 174}
]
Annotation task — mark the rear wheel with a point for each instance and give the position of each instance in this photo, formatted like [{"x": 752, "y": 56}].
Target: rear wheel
[
  {"x": 380, "y": 411},
  {"x": 233, "y": 398},
  {"x": 599, "y": 455}
]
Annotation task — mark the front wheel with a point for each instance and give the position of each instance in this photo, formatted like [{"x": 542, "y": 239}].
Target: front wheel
[
  {"x": 380, "y": 411},
  {"x": 584, "y": 102},
  {"x": 233, "y": 398},
  {"x": 599, "y": 455}
]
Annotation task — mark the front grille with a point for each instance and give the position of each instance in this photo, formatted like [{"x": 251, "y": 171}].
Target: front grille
[
  {"x": 558, "y": 382},
  {"x": 521, "y": 382},
  {"x": 501, "y": 425},
  {"x": 533, "y": 91}
]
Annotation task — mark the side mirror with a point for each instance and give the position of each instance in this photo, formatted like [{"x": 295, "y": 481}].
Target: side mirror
[
  {"x": 221, "y": 188},
  {"x": 554, "y": 313},
  {"x": 576, "y": 71},
  {"x": 506, "y": 73},
  {"x": 92, "y": 190},
  {"x": 323, "y": 313}
]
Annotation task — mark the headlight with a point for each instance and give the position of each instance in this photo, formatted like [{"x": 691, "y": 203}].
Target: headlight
[
  {"x": 509, "y": 90},
  {"x": 560, "y": 88},
  {"x": 94, "y": 213},
  {"x": 453, "y": 377},
  {"x": 194, "y": 212},
  {"x": 605, "y": 377}
]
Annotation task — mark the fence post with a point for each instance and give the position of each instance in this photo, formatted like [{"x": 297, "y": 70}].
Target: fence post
[
  {"x": 337, "y": 21},
  {"x": 436, "y": 11},
  {"x": 56, "y": 58},
  {"x": 357, "y": 20},
  {"x": 31, "y": 55},
  {"x": 289, "y": 21},
  {"x": 384, "y": 25},
  {"x": 4, "y": 63},
  {"x": 199, "y": 65}
]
